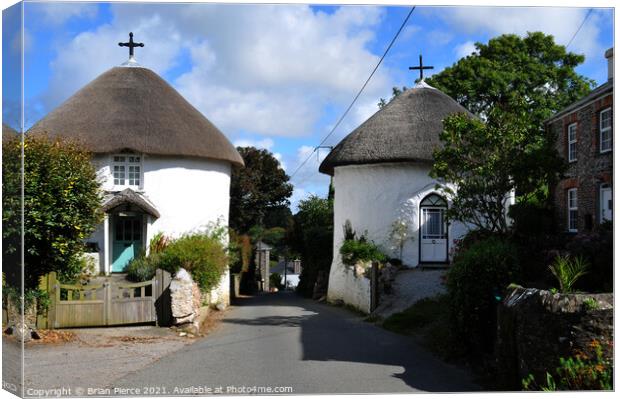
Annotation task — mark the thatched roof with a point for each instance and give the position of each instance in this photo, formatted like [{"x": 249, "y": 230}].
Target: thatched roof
[
  {"x": 8, "y": 132},
  {"x": 405, "y": 130},
  {"x": 129, "y": 199},
  {"x": 134, "y": 109}
]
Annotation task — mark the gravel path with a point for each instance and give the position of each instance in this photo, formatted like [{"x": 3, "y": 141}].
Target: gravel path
[
  {"x": 95, "y": 358},
  {"x": 410, "y": 286}
]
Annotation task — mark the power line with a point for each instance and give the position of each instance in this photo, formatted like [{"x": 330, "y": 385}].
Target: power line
[
  {"x": 358, "y": 93},
  {"x": 580, "y": 26}
]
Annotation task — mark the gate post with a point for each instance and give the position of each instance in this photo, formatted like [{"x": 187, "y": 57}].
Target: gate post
[
  {"x": 53, "y": 291},
  {"x": 162, "y": 299},
  {"x": 42, "y": 317}
]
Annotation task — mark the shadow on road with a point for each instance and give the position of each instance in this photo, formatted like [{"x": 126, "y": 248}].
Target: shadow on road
[{"x": 329, "y": 333}]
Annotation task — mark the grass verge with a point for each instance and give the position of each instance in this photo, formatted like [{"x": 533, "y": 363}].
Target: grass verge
[{"x": 429, "y": 321}]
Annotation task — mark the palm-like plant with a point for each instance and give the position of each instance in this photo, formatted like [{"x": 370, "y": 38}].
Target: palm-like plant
[{"x": 567, "y": 271}]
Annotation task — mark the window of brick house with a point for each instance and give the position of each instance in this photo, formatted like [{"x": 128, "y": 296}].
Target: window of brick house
[
  {"x": 605, "y": 130},
  {"x": 572, "y": 142},
  {"x": 572, "y": 214},
  {"x": 605, "y": 202}
]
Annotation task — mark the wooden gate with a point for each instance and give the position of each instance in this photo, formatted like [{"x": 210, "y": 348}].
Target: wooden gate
[{"x": 107, "y": 304}]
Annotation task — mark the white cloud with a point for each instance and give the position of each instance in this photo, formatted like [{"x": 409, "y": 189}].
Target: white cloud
[
  {"x": 264, "y": 69},
  {"x": 55, "y": 13},
  {"x": 439, "y": 37},
  {"x": 561, "y": 22},
  {"x": 266, "y": 144},
  {"x": 91, "y": 53},
  {"x": 465, "y": 49}
]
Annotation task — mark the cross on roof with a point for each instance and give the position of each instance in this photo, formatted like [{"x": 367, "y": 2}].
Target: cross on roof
[
  {"x": 131, "y": 44},
  {"x": 421, "y": 68}
]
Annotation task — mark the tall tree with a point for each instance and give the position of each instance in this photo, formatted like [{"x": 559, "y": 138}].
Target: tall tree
[
  {"x": 532, "y": 74},
  {"x": 257, "y": 189},
  {"x": 512, "y": 84},
  {"x": 312, "y": 238}
]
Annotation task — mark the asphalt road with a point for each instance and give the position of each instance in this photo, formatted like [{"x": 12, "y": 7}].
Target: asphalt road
[{"x": 282, "y": 341}]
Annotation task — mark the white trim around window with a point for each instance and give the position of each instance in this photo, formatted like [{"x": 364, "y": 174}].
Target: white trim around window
[
  {"x": 571, "y": 136},
  {"x": 605, "y": 135},
  {"x": 605, "y": 204},
  {"x": 572, "y": 210},
  {"x": 127, "y": 170}
]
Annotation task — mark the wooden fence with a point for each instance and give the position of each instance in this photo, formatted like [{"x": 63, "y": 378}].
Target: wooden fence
[{"x": 106, "y": 304}]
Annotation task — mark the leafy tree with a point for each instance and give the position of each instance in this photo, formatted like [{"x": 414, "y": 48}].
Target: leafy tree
[
  {"x": 532, "y": 76},
  {"x": 61, "y": 204},
  {"x": 312, "y": 238},
  {"x": 395, "y": 93},
  {"x": 480, "y": 160},
  {"x": 512, "y": 85},
  {"x": 258, "y": 189}
]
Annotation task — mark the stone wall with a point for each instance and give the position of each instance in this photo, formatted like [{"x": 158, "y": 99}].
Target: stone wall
[
  {"x": 185, "y": 298},
  {"x": 348, "y": 285},
  {"x": 591, "y": 169},
  {"x": 220, "y": 295},
  {"x": 536, "y": 328}
]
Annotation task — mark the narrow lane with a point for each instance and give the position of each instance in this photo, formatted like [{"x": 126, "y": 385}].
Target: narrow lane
[{"x": 282, "y": 340}]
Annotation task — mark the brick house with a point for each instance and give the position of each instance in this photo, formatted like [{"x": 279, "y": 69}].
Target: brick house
[{"x": 584, "y": 132}]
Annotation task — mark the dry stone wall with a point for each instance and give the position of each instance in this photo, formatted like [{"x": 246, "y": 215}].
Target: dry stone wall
[
  {"x": 185, "y": 298},
  {"x": 537, "y": 327}
]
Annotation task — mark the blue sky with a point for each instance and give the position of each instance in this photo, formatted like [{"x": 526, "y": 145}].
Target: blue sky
[{"x": 276, "y": 77}]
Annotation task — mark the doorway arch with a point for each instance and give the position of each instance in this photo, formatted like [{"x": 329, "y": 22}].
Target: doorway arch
[{"x": 433, "y": 231}]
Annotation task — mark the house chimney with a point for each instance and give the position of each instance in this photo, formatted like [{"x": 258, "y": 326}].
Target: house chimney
[{"x": 609, "y": 54}]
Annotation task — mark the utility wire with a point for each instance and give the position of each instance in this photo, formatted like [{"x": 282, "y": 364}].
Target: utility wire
[
  {"x": 358, "y": 93},
  {"x": 580, "y": 26}
]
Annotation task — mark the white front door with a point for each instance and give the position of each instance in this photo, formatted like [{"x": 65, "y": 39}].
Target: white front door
[
  {"x": 606, "y": 203},
  {"x": 433, "y": 240}
]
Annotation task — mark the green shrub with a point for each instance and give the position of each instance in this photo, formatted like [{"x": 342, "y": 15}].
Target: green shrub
[
  {"x": 567, "y": 271},
  {"x": 31, "y": 297},
  {"x": 142, "y": 268},
  {"x": 590, "y": 304},
  {"x": 202, "y": 254},
  {"x": 61, "y": 201},
  {"x": 353, "y": 251},
  {"x": 158, "y": 243},
  {"x": 598, "y": 250},
  {"x": 313, "y": 238},
  {"x": 475, "y": 283},
  {"x": 275, "y": 280},
  {"x": 592, "y": 371}
]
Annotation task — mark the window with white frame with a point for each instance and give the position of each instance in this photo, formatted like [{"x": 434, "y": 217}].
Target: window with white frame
[
  {"x": 572, "y": 215},
  {"x": 605, "y": 130},
  {"x": 572, "y": 142},
  {"x": 126, "y": 170}
]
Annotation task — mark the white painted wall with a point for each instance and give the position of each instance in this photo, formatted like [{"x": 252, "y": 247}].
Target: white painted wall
[
  {"x": 189, "y": 193},
  {"x": 372, "y": 197}
]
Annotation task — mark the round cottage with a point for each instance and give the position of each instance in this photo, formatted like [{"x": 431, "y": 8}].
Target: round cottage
[
  {"x": 405, "y": 130},
  {"x": 381, "y": 177},
  {"x": 164, "y": 167}
]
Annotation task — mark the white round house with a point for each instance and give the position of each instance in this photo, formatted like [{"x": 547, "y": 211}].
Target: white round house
[
  {"x": 163, "y": 166},
  {"x": 381, "y": 178}
]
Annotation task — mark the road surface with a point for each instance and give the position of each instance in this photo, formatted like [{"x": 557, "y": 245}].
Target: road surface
[{"x": 281, "y": 343}]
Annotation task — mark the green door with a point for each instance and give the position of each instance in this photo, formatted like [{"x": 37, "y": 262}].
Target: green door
[{"x": 127, "y": 241}]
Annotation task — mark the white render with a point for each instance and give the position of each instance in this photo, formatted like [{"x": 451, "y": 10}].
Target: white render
[
  {"x": 372, "y": 197},
  {"x": 191, "y": 194}
]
